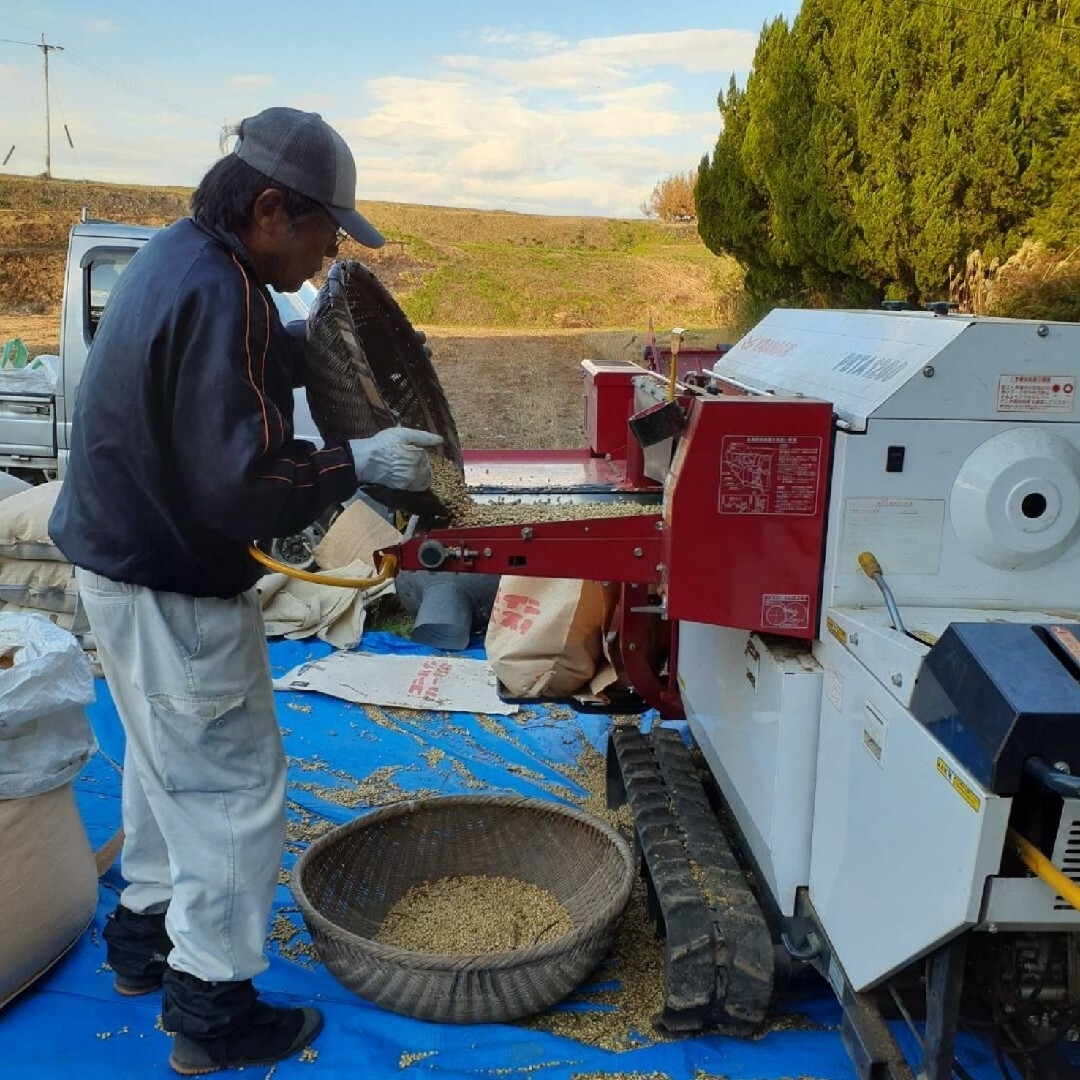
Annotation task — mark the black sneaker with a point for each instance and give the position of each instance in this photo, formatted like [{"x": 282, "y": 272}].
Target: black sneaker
[
  {"x": 267, "y": 1035},
  {"x": 137, "y": 948}
]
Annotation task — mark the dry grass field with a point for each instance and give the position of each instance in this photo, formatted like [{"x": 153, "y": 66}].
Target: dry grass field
[{"x": 511, "y": 303}]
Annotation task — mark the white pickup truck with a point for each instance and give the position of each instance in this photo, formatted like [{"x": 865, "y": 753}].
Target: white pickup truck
[{"x": 36, "y": 410}]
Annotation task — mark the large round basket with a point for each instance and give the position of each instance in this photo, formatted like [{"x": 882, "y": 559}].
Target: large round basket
[{"x": 347, "y": 881}]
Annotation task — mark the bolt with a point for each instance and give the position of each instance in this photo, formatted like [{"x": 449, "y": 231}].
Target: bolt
[
  {"x": 1072, "y": 1035},
  {"x": 658, "y": 525},
  {"x": 853, "y": 638},
  {"x": 898, "y": 679},
  {"x": 527, "y": 533},
  {"x": 928, "y": 371},
  {"x": 1043, "y": 330},
  {"x": 638, "y": 553},
  {"x": 487, "y": 553},
  {"x": 631, "y": 647}
]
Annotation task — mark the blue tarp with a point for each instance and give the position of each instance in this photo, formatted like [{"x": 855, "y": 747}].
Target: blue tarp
[{"x": 72, "y": 1024}]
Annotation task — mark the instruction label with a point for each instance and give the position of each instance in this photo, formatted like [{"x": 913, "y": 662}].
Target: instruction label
[
  {"x": 1067, "y": 640},
  {"x": 769, "y": 474},
  {"x": 1036, "y": 393},
  {"x": 834, "y": 687},
  {"x": 904, "y": 534},
  {"x": 785, "y": 611}
]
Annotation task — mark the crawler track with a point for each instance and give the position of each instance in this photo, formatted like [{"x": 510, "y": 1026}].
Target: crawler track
[{"x": 719, "y": 953}]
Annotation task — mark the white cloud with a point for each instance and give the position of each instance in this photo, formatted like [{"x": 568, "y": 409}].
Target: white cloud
[
  {"x": 531, "y": 123},
  {"x": 597, "y": 62},
  {"x": 104, "y": 27},
  {"x": 531, "y": 42},
  {"x": 249, "y": 82},
  {"x": 502, "y": 132},
  {"x": 314, "y": 102}
]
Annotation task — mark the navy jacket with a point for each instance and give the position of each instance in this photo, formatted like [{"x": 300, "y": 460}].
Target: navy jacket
[{"x": 182, "y": 448}]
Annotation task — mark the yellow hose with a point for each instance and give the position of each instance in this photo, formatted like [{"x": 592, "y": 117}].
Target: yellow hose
[
  {"x": 388, "y": 568},
  {"x": 1043, "y": 868}
]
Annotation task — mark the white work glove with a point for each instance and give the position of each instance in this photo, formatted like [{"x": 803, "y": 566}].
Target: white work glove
[{"x": 395, "y": 457}]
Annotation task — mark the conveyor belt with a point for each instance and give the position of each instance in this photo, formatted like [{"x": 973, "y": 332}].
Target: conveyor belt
[{"x": 719, "y": 953}]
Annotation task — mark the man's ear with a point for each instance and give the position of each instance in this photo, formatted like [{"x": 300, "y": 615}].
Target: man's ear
[{"x": 268, "y": 213}]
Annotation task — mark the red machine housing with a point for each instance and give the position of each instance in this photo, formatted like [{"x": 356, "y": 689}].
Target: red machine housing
[
  {"x": 608, "y": 401},
  {"x": 607, "y": 405},
  {"x": 744, "y": 514},
  {"x": 739, "y": 543}
]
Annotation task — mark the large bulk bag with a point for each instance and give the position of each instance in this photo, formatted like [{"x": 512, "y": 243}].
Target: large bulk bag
[{"x": 48, "y": 875}]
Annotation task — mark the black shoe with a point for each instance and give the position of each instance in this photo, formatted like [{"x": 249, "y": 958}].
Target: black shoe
[
  {"x": 226, "y": 1026},
  {"x": 137, "y": 948},
  {"x": 269, "y": 1035}
]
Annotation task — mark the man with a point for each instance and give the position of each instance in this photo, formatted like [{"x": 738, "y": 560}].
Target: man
[{"x": 183, "y": 453}]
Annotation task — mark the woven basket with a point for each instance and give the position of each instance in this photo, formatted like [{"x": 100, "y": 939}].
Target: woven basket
[
  {"x": 347, "y": 881},
  {"x": 366, "y": 368}
]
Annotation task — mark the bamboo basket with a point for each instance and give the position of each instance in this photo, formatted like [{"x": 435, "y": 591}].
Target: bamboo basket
[{"x": 347, "y": 881}]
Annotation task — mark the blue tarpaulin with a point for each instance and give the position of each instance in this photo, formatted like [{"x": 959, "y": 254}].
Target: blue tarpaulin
[{"x": 343, "y": 760}]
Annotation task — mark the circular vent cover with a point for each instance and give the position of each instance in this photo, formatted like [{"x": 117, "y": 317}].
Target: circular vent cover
[{"x": 1016, "y": 499}]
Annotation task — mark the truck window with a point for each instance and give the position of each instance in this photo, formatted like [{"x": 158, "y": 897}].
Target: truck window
[
  {"x": 103, "y": 271},
  {"x": 292, "y": 306}
]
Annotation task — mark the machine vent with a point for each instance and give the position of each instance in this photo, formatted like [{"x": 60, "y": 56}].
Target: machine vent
[{"x": 1067, "y": 848}]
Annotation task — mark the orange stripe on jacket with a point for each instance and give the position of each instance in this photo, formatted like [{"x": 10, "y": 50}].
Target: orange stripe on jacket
[{"x": 247, "y": 351}]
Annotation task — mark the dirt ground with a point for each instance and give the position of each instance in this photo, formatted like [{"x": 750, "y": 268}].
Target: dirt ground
[{"x": 504, "y": 389}]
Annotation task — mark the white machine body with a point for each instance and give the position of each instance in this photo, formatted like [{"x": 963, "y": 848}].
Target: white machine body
[{"x": 957, "y": 464}]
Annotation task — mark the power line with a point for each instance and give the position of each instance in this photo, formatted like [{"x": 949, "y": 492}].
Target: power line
[
  {"x": 132, "y": 87},
  {"x": 121, "y": 81}
]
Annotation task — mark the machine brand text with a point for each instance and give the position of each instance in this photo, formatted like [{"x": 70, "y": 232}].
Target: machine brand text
[{"x": 869, "y": 366}]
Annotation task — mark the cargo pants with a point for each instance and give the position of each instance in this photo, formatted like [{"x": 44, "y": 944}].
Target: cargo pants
[{"x": 204, "y": 768}]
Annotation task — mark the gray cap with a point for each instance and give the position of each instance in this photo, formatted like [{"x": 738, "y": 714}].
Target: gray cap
[{"x": 301, "y": 151}]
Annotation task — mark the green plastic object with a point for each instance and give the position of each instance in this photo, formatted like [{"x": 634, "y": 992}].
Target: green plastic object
[{"x": 15, "y": 355}]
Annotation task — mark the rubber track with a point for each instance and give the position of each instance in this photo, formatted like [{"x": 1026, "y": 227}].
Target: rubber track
[{"x": 719, "y": 954}]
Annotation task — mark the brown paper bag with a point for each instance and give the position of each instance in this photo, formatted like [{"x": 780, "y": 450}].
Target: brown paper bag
[
  {"x": 356, "y": 533},
  {"x": 545, "y": 635}
]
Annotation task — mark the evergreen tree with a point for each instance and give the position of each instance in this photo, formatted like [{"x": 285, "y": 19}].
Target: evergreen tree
[{"x": 878, "y": 144}]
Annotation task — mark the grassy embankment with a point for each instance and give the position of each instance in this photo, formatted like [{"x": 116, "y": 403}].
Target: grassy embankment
[{"x": 447, "y": 267}]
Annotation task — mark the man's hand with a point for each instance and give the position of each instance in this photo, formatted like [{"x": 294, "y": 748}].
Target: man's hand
[{"x": 396, "y": 458}]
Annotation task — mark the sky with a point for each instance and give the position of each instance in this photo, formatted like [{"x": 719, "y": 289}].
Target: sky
[{"x": 558, "y": 107}]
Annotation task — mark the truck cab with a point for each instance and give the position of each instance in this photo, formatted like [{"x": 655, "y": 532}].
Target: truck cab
[
  {"x": 36, "y": 411},
  {"x": 35, "y": 424}
]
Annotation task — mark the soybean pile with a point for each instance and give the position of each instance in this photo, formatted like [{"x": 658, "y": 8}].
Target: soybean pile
[{"x": 448, "y": 485}]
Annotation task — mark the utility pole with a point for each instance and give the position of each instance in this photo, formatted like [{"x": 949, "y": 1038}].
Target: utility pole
[
  {"x": 45, "y": 48},
  {"x": 48, "y": 134}
]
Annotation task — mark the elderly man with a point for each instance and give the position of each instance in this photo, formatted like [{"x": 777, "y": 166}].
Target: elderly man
[{"x": 182, "y": 453}]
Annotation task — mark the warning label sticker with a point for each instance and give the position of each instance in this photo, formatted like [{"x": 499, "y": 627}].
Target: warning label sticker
[
  {"x": 1036, "y": 393},
  {"x": 961, "y": 788},
  {"x": 769, "y": 474},
  {"x": 785, "y": 611}
]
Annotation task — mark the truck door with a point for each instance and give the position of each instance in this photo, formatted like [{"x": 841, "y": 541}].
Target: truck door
[{"x": 87, "y": 290}]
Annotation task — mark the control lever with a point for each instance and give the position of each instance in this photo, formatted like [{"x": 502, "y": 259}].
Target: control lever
[{"x": 872, "y": 569}]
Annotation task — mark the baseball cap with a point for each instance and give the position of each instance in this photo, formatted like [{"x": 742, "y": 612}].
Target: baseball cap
[{"x": 302, "y": 151}]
